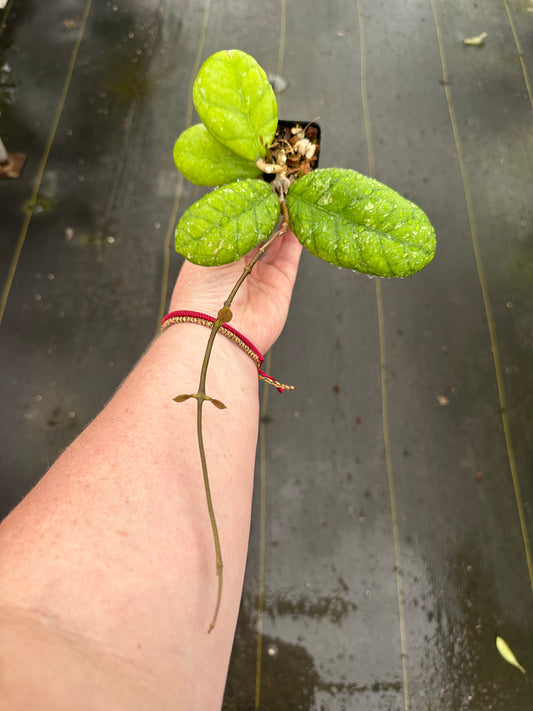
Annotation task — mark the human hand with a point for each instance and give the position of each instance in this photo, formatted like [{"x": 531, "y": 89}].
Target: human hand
[{"x": 261, "y": 305}]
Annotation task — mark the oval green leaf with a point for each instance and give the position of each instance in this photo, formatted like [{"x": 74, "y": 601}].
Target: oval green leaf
[
  {"x": 205, "y": 161},
  {"x": 353, "y": 221},
  {"x": 227, "y": 223},
  {"x": 236, "y": 103}
]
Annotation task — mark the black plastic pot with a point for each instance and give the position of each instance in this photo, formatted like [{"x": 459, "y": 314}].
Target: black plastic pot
[
  {"x": 312, "y": 133},
  {"x": 306, "y": 124}
]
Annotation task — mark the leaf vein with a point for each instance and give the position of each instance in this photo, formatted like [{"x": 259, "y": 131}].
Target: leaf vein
[{"x": 400, "y": 240}]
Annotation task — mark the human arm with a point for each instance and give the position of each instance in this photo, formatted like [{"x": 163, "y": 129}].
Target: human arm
[{"x": 107, "y": 568}]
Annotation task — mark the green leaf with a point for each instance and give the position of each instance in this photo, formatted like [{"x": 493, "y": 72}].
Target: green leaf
[
  {"x": 353, "y": 221},
  {"x": 236, "y": 103},
  {"x": 227, "y": 223},
  {"x": 205, "y": 161}
]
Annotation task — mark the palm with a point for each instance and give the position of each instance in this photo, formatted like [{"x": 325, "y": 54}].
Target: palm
[{"x": 261, "y": 305}]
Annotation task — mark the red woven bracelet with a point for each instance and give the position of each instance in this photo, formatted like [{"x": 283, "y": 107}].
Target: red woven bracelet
[{"x": 232, "y": 333}]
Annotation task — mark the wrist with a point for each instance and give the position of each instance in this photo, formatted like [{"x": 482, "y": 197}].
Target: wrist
[
  {"x": 224, "y": 329},
  {"x": 191, "y": 337}
]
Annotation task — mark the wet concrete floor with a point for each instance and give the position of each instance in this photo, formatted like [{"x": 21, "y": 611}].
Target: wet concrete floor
[{"x": 392, "y": 525}]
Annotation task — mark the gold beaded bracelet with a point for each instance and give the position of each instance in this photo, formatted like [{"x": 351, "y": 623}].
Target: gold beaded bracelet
[{"x": 246, "y": 345}]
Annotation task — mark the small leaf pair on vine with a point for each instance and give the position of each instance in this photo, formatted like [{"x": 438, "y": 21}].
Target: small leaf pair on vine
[{"x": 263, "y": 170}]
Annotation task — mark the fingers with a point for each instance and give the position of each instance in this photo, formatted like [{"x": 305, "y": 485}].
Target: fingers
[
  {"x": 285, "y": 255},
  {"x": 203, "y": 288},
  {"x": 200, "y": 288},
  {"x": 285, "y": 249}
]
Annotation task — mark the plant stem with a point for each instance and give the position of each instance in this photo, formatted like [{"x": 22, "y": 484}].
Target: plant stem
[
  {"x": 247, "y": 270},
  {"x": 201, "y": 397}
]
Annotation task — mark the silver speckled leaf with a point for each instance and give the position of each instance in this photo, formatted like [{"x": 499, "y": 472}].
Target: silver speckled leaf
[
  {"x": 236, "y": 102},
  {"x": 227, "y": 223},
  {"x": 205, "y": 161},
  {"x": 353, "y": 221}
]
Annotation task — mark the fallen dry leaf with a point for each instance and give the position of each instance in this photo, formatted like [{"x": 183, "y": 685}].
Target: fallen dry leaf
[
  {"x": 504, "y": 649},
  {"x": 476, "y": 40}
]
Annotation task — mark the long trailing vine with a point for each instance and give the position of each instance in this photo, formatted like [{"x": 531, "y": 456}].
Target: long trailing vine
[
  {"x": 262, "y": 168},
  {"x": 224, "y": 316}
]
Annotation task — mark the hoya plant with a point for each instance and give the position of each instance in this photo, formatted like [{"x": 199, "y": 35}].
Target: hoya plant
[{"x": 266, "y": 181}]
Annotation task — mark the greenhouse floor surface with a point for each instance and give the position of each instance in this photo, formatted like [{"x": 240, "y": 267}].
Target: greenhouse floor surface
[{"x": 392, "y": 518}]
